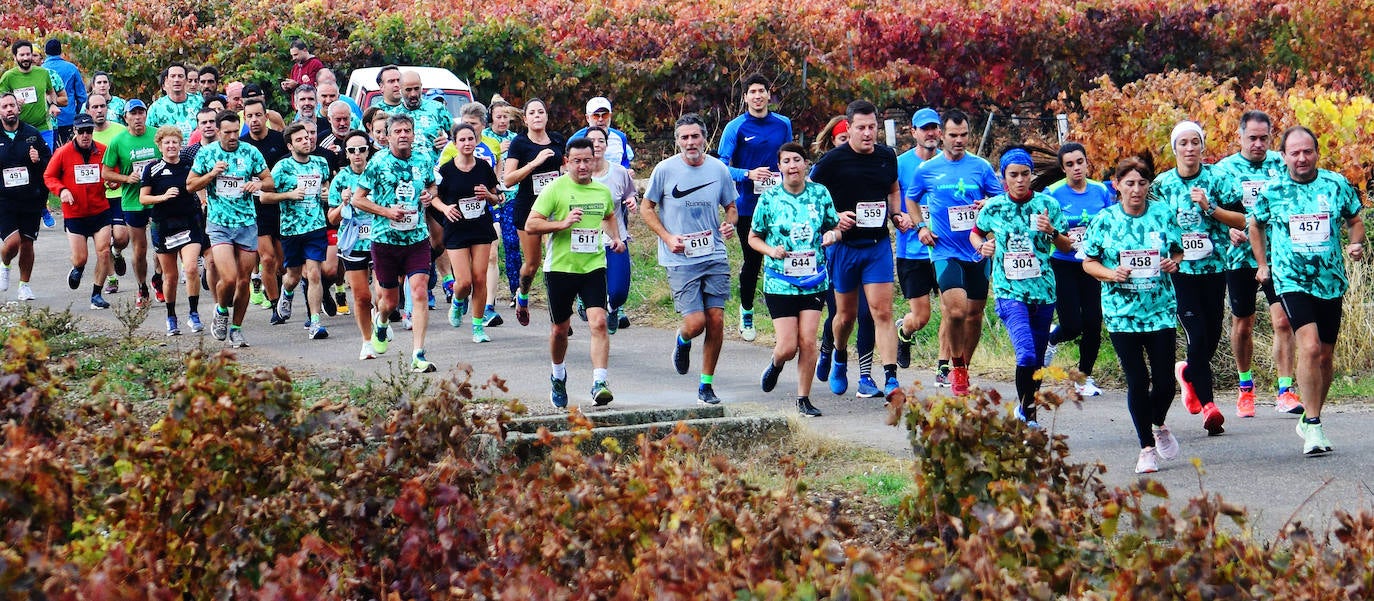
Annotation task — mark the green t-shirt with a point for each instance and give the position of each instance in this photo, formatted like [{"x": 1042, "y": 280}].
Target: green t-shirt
[
  {"x": 396, "y": 182},
  {"x": 795, "y": 223},
  {"x": 32, "y": 91},
  {"x": 112, "y": 130},
  {"x": 1204, "y": 238},
  {"x": 1145, "y": 301},
  {"x": 340, "y": 189},
  {"x": 228, "y": 205},
  {"x": 577, "y": 249},
  {"x": 305, "y": 215},
  {"x": 1021, "y": 262},
  {"x": 1301, "y": 223},
  {"x": 130, "y": 154},
  {"x": 1246, "y": 180},
  {"x": 181, "y": 114}
]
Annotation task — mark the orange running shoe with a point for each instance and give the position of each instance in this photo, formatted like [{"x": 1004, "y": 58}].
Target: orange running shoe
[
  {"x": 1190, "y": 399},
  {"x": 1245, "y": 403},
  {"x": 1212, "y": 419},
  {"x": 1288, "y": 402},
  {"x": 959, "y": 381}
]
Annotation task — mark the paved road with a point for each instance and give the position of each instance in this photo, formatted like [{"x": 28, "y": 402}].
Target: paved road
[{"x": 1257, "y": 463}]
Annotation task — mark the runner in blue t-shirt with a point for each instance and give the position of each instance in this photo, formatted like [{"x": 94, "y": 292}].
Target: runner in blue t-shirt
[
  {"x": 1079, "y": 303},
  {"x": 956, "y": 184},
  {"x": 915, "y": 272},
  {"x": 749, "y": 146}
]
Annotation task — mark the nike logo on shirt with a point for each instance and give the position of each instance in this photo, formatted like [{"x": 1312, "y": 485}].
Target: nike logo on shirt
[
  {"x": 680, "y": 193},
  {"x": 748, "y": 138}
]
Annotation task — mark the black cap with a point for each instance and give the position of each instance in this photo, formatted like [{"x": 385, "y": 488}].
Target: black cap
[
  {"x": 53, "y": 47},
  {"x": 253, "y": 89},
  {"x": 83, "y": 120}
]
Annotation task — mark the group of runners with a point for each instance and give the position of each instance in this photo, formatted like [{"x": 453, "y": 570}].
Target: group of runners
[{"x": 391, "y": 202}]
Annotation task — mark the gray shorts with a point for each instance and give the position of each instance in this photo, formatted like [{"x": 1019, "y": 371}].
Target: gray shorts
[
  {"x": 244, "y": 238},
  {"x": 700, "y": 286}
]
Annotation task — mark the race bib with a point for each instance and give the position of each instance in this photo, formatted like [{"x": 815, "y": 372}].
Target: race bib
[
  {"x": 16, "y": 177},
  {"x": 586, "y": 240},
  {"x": 962, "y": 218},
  {"x": 139, "y": 166},
  {"x": 407, "y": 222},
  {"x": 310, "y": 185},
  {"x": 1311, "y": 228},
  {"x": 762, "y": 185},
  {"x": 1196, "y": 245},
  {"x": 228, "y": 186},
  {"x": 27, "y": 95},
  {"x": 699, "y": 244},
  {"x": 471, "y": 208},
  {"x": 177, "y": 240},
  {"x": 87, "y": 174},
  {"x": 1251, "y": 191},
  {"x": 1076, "y": 235},
  {"x": 870, "y": 214},
  {"x": 186, "y": 129},
  {"x": 799, "y": 263},
  {"x": 1142, "y": 263},
  {"x": 925, "y": 214},
  {"x": 1021, "y": 266},
  {"x": 365, "y": 231},
  {"x": 542, "y": 179}
]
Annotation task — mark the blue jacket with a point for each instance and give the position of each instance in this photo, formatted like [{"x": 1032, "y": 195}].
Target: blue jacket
[
  {"x": 75, "y": 85},
  {"x": 749, "y": 142}
]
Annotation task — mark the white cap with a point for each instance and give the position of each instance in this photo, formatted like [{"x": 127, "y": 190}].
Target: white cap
[
  {"x": 598, "y": 104},
  {"x": 1183, "y": 128}
]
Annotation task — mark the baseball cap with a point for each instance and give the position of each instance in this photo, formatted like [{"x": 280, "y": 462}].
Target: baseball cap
[
  {"x": 253, "y": 89},
  {"x": 924, "y": 117},
  {"x": 83, "y": 120},
  {"x": 435, "y": 94},
  {"x": 135, "y": 104},
  {"x": 598, "y": 104}
]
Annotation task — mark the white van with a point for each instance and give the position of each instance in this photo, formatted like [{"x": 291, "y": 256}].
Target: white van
[{"x": 362, "y": 86}]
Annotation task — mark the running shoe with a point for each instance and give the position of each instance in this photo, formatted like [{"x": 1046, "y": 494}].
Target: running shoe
[
  {"x": 25, "y": 292},
  {"x": 1212, "y": 419},
  {"x": 1190, "y": 400},
  {"x": 769, "y": 380},
  {"x": 903, "y": 347},
  {"x": 1088, "y": 387},
  {"x": 613, "y": 321},
  {"x": 341, "y": 303},
  {"x": 746, "y": 326},
  {"x": 558, "y": 393},
  {"x": 194, "y": 320},
  {"x": 707, "y": 395},
  {"x": 867, "y": 388},
  {"x": 493, "y": 318},
  {"x": 276, "y": 319},
  {"x": 890, "y": 386},
  {"x": 4, "y": 277},
  {"x": 366, "y": 351},
  {"x": 317, "y": 330},
  {"x": 74, "y": 278},
  {"x": 941, "y": 379},
  {"x": 111, "y": 285},
  {"x": 120, "y": 266},
  {"x": 157, "y": 288},
  {"x": 1166, "y": 446},
  {"x": 805, "y": 408},
  {"x": 98, "y": 302},
  {"x": 219, "y": 326},
  {"x": 381, "y": 335},
  {"x": 140, "y": 300},
  {"x": 823, "y": 366},
  {"x": 479, "y": 333},
  {"x": 430, "y": 300},
  {"x": 328, "y": 304},
  {"x": 1288, "y": 402},
  {"x": 682, "y": 355},
  {"x": 1314, "y": 441},
  {"x": 958, "y": 381},
  {"x": 1245, "y": 403},
  {"x": 624, "y": 321},
  {"x": 455, "y": 315},
  {"x": 1030, "y": 420},
  {"x": 839, "y": 378},
  {"x": 420, "y": 365},
  {"x": 236, "y": 338},
  {"x": 172, "y": 329},
  {"x": 522, "y": 311},
  {"x": 48, "y": 221},
  {"x": 284, "y": 306},
  {"x": 601, "y": 395},
  {"x": 1148, "y": 463},
  {"x": 581, "y": 309}
]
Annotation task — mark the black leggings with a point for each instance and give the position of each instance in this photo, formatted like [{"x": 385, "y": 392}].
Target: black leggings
[
  {"x": 1201, "y": 306},
  {"x": 863, "y": 331},
  {"x": 1079, "y": 304},
  {"x": 1147, "y": 359},
  {"x": 750, "y": 268}
]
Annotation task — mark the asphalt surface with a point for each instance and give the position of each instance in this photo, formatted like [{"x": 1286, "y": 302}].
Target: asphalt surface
[{"x": 1257, "y": 463}]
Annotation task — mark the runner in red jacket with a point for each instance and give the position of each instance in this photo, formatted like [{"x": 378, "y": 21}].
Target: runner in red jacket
[{"x": 73, "y": 175}]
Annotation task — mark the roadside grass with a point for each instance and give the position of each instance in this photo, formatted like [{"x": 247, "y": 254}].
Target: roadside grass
[{"x": 874, "y": 480}]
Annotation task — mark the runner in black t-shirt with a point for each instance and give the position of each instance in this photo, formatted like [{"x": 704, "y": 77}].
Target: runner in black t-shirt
[
  {"x": 177, "y": 229},
  {"x": 468, "y": 186},
  {"x": 272, "y": 145},
  {"x": 534, "y": 160}
]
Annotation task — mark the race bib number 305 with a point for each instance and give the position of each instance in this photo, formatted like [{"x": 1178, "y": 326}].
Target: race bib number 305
[
  {"x": 699, "y": 244},
  {"x": 1196, "y": 246}
]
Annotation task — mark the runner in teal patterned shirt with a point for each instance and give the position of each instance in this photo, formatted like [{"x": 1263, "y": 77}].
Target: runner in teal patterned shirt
[
  {"x": 228, "y": 204},
  {"x": 1245, "y": 174},
  {"x": 354, "y": 225},
  {"x": 791, "y": 224},
  {"x": 1134, "y": 248},
  {"x": 1204, "y": 210},
  {"x": 177, "y": 107},
  {"x": 1295, "y": 216},
  {"x": 301, "y": 181}
]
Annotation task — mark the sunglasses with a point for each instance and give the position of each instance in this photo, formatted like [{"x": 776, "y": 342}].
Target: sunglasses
[
  {"x": 85, "y": 130},
  {"x": 357, "y": 149}
]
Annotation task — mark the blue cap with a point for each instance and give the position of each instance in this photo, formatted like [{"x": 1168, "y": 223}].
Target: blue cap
[
  {"x": 924, "y": 117},
  {"x": 434, "y": 94},
  {"x": 134, "y": 104}
]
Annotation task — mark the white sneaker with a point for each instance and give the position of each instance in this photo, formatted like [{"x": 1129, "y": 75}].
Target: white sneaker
[
  {"x": 25, "y": 293},
  {"x": 1148, "y": 463},
  {"x": 406, "y": 322},
  {"x": 366, "y": 352},
  {"x": 1166, "y": 446},
  {"x": 4, "y": 278},
  {"x": 1088, "y": 388}
]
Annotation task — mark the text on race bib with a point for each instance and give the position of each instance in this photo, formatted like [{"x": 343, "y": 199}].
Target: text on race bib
[
  {"x": 871, "y": 213},
  {"x": 1076, "y": 235},
  {"x": 472, "y": 207},
  {"x": 228, "y": 186},
  {"x": 1142, "y": 263},
  {"x": 87, "y": 174},
  {"x": 699, "y": 244},
  {"x": 27, "y": 95},
  {"x": 542, "y": 179},
  {"x": 1251, "y": 191},
  {"x": 586, "y": 240},
  {"x": 139, "y": 166},
  {"x": 408, "y": 221},
  {"x": 1196, "y": 245},
  {"x": 365, "y": 231},
  {"x": 763, "y": 185},
  {"x": 799, "y": 263},
  {"x": 16, "y": 177},
  {"x": 1021, "y": 265},
  {"x": 925, "y": 214},
  {"x": 309, "y": 185},
  {"x": 1310, "y": 228},
  {"x": 177, "y": 240},
  {"x": 962, "y": 218}
]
